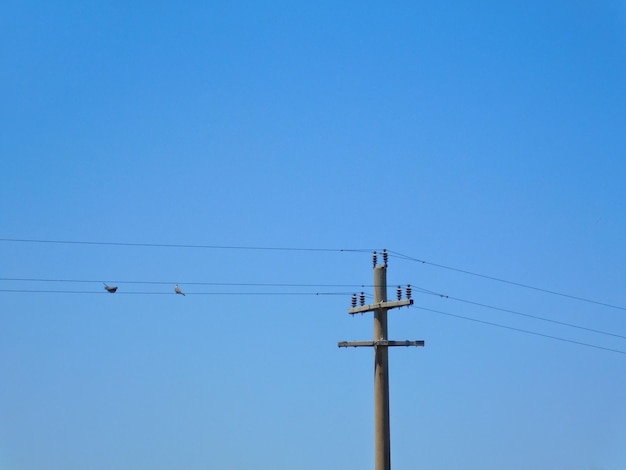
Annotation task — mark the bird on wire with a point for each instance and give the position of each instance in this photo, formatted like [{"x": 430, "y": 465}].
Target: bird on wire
[
  {"x": 110, "y": 289},
  {"x": 178, "y": 291}
]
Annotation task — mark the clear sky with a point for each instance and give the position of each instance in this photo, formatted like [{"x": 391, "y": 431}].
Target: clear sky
[{"x": 183, "y": 140}]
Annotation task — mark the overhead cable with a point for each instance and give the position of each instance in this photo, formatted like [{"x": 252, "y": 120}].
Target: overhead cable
[
  {"x": 177, "y": 245},
  {"x": 247, "y": 284},
  {"x": 505, "y": 281},
  {"x": 528, "y": 315},
  {"x": 44, "y": 291},
  {"x": 520, "y": 330}
]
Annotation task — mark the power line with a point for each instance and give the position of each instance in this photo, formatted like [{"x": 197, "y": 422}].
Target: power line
[
  {"x": 236, "y": 284},
  {"x": 44, "y": 291},
  {"x": 170, "y": 283},
  {"x": 505, "y": 281},
  {"x": 317, "y": 293},
  {"x": 178, "y": 245},
  {"x": 395, "y": 254},
  {"x": 520, "y": 330},
  {"x": 281, "y": 285},
  {"x": 535, "y": 317}
]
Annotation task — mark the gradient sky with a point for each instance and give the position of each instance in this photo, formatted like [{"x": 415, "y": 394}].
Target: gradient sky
[{"x": 481, "y": 137}]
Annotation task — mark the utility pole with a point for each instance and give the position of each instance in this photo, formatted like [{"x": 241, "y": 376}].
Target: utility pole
[{"x": 381, "y": 344}]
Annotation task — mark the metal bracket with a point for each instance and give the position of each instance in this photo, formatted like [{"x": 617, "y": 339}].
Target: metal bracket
[
  {"x": 379, "y": 305},
  {"x": 382, "y": 342}
]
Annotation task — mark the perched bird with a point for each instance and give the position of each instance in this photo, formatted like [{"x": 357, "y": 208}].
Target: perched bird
[
  {"x": 110, "y": 289},
  {"x": 178, "y": 291}
]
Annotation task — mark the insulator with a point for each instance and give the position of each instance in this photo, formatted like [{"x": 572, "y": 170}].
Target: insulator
[
  {"x": 399, "y": 292},
  {"x": 353, "y": 300},
  {"x": 408, "y": 292},
  {"x": 385, "y": 257},
  {"x": 374, "y": 258},
  {"x": 362, "y": 298}
]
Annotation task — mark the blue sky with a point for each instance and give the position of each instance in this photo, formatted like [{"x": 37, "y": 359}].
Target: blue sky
[{"x": 488, "y": 138}]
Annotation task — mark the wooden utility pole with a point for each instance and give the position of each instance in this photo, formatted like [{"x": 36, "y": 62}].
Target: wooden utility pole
[{"x": 380, "y": 343}]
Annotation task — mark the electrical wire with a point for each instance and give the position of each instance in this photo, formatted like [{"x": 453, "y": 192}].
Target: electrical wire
[
  {"x": 417, "y": 289},
  {"x": 178, "y": 245},
  {"x": 42, "y": 291},
  {"x": 317, "y": 293},
  {"x": 505, "y": 281},
  {"x": 392, "y": 253},
  {"x": 284, "y": 285},
  {"x": 236, "y": 284},
  {"x": 520, "y": 330},
  {"x": 534, "y": 317}
]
